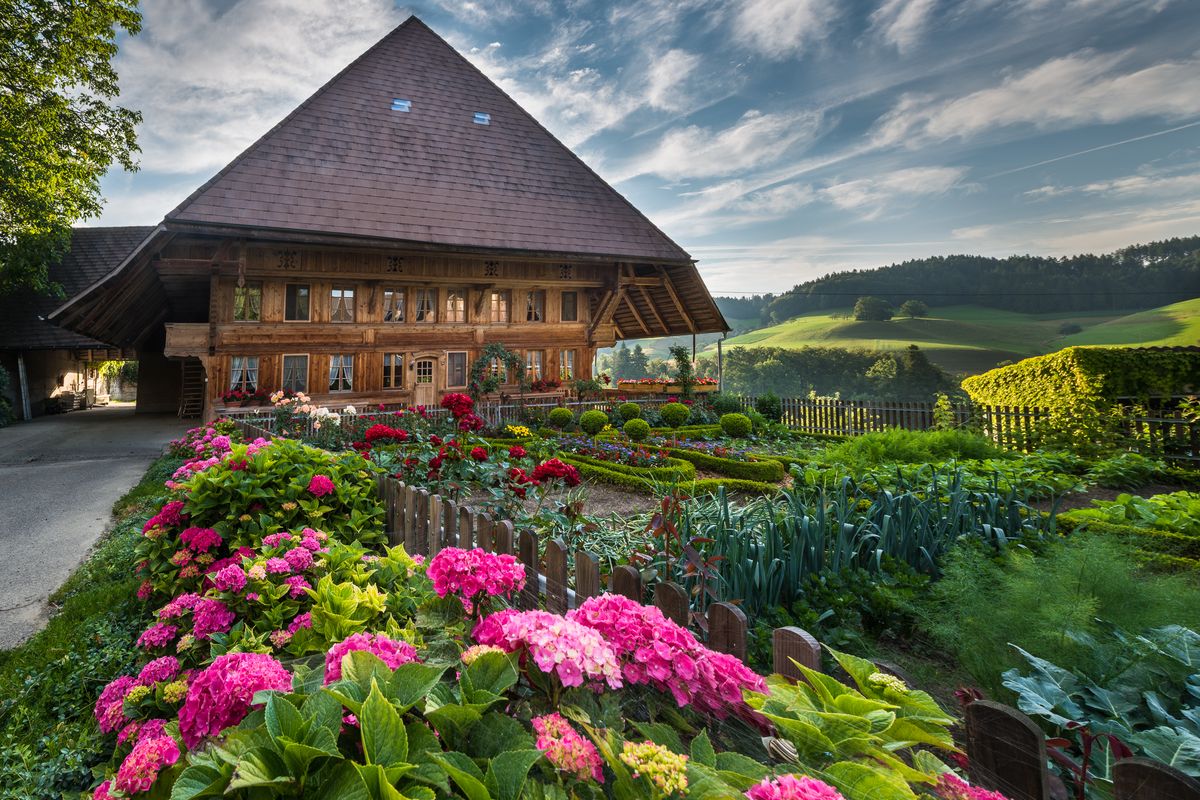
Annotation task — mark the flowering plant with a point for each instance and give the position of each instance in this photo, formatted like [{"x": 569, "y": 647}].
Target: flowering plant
[{"x": 474, "y": 575}]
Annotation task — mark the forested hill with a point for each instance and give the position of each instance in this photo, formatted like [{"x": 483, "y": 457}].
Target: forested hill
[{"x": 1142, "y": 276}]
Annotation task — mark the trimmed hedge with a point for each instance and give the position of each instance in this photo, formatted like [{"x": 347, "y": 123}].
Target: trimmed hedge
[
  {"x": 1160, "y": 547},
  {"x": 676, "y": 469},
  {"x": 745, "y": 470},
  {"x": 634, "y": 482}
]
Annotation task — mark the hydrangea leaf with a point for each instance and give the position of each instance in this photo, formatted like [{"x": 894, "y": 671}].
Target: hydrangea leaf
[
  {"x": 465, "y": 774},
  {"x": 508, "y": 771},
  {"x": 384, "y": 738},
  {"x": 411, "y": 683},
  {"x": 702, "y": 751}
]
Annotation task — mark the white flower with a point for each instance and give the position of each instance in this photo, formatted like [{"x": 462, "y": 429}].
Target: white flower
[{"x": 350, "y": 410}]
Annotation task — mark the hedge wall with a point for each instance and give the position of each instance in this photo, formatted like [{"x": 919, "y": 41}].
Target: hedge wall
[
  {"x": 763, "y": 471},
  {"x": 675, "y": 469},
  {"x": 1161, "y": 548},
  {"x": 638, "y": 482}
]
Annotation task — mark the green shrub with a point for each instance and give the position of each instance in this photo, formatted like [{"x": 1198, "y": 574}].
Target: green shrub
[
  {"x": 629, "y": 411},
  {"x": 675, "y": 415},
  {"x": 637, "y": 429},
  {"x": 726, "y": 404},
  {"x": 561, "y": 417},
  {"x": 982, "y": 605},
  {"x": 746, "y": 470},
  {"x": 676, "y": 469},
  {"x": 770, "y": 406},
  {"x": 899, "y": 446},
  {"x": 1125, "y": 471},
  {"x": 737, "y": 426},
  {"x": 592, "y": 422}
]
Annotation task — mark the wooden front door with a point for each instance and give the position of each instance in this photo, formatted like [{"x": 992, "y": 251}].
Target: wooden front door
[{"x": 425, "y": 372}]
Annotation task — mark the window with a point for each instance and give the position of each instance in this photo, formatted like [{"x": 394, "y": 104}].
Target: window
[
  {"x": 341, "y": 373},
  {"x": 456, "y": 305},
  {"x": 499, "y": 370},
  {"x": 393, "y": 305},
  {"x": 247, "y": 302},
  {"x": 499, "y": 305},
  {"x": 341, "y": 304},
  {"x": 425, "y": 371},
  {"x": 295, "y": 302},
  {"x": 393, "y": 370},
  {"x": 426, "y": 305},
  {"x": 535, "y": 305},
  {"x": 295, "y": 373},
  {"x": 243, "y": 373},
  {"x": 566, "y": 365},
  {"x": 570, "y": 306},
  {"x": 533, "y": 364},
  {"x": 456, "y": 369}
]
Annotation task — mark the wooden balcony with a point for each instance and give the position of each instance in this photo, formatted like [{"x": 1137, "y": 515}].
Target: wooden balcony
[{"x": 186, "y": 339}]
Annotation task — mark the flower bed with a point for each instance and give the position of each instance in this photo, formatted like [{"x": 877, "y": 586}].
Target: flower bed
[
  {"x": 613, "y": 452},
  {"x": 763, "y": 471}
]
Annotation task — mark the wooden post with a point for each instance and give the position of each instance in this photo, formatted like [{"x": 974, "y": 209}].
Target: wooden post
[
  {"x": 529, "y": 557},
  {"x": 672, "y": 600},
  {"x": 556, "y": 576},
  {"x": 794, "y": 644},
  {"x": 433, "y": 541},
  {"x": 727, "y": 629},
  {"x": 502, "y": 537},
  {"x": 410, "y": 520},
  {"x": 1007, "y": 751},
  {"x": 465, "y": 517},
  {"x": 483, "y": 533},
  {"x": 422, "y": 526},
  {"x": 1145, "y": 779},
  {"x": 627, "y": 581},
  {"x": 587, "y": 576}
]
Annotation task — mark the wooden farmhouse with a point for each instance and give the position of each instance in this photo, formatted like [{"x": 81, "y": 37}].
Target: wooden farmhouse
[{"x": 370, "y": 245}]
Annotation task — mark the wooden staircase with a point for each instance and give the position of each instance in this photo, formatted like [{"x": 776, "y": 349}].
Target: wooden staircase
[{"x": 191, "y": 395}]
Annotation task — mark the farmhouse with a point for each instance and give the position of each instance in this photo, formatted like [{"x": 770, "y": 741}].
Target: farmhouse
[{"x": 369, "y": 246}]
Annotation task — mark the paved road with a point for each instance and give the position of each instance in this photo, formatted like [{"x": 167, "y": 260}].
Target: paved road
[{"x": 59, "y": 477}]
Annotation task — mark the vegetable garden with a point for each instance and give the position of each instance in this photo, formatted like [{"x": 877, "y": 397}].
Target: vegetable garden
[{"x": 410, "y": 605}]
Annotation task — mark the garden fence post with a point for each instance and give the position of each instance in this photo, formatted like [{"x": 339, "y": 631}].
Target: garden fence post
[
  {"x": 627, "y": 581},
  {"x": 528, "y": 542},
  {"x": 421, "y": 529},
  {"x": 465, "y": 517},
  {"x": 587, "y": 576},
  {"x": 727, "y": 630},
  {"x": 410, "y": 520},
  {"x": 1006, "y": 751},
  {"x": 1145, "y": 779},
  {"x": 483, "y": 533},
  {"x": 672, "y": 600},
  {"x": 556, "y": 576},
  {"x": 502, "y": 537},
  {"x": 434, "y": 542},
  {"x": 792, "y": 644}
]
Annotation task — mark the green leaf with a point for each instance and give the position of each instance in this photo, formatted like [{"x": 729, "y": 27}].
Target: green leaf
[
  {"x": 377, "y": 783},
  {"x": 282, "y": 718},
  {"x": 453, "y": 720},
  {"x": 338, "y": 782},
  {"x": 465, "y": 774},
  {"x": 411, "y": 682},
  {"x": 495, "y": 733},
  {"x": 861, "y": 782},
  {"x": 663, "y": 735},
  {"x": 384, "y": 739},
  {"x": 199, "y": 781},
  {"x": 1174, "y": 747},
  {"x": 702, "y": 750},
  {"x": 493, "y": 673},
  {"x": 259, "y": 767},
  {"x": 323, "y": 712},
  {"x": 507, "y": 772}
]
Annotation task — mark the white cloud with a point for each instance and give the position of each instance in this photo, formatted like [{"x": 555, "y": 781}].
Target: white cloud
[
  {"x": 780, "y": 29},
  {"x": 902, "y": 23},
  {"x": 1078, "y": 89},
  {"x": 872, "y": 195},
  {"x": 668, "y": 73}
]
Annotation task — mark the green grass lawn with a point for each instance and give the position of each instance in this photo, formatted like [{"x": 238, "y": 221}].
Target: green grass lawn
[
  {"x": 967, "y": 339},
  {"x": 1176, "y": 324}
]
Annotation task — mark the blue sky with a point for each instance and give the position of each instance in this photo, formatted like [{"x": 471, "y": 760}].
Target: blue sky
[{"x": 776, "y": 140}]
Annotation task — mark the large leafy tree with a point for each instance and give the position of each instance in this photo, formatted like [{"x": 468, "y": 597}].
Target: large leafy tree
[{"x": 60, "y": 127}]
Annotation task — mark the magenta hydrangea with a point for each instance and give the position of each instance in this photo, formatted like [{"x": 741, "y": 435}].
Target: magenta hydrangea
[
  {"x": 109, "y": 709},
  {"x": 559, "y": 646},
  {"x": 169, "y": 516},
  {"x": 160, "y": 669},
  {"x": 791, "y": 787},
  {"x": 467, "y": 574},
  {"x": 299, "y": 586},
  {"x": 222, "y": 694},
  {"x": 200, "y": 540},
  {"x": 952, "y": 787},
  {"x": 229, "y": 579},
  {"x": 390, "y": 652},
  {"x": 656, "y": 651},
  {"x": 211, "y": 616},
  {"x": 320, "y": 485},
  {"x": 566, "y": 749},
  {"x": 276, "y": 539},
  {"x": 102, "y": 793},
  {"x": 278, "y": 566},
  {"x": 157, "y": 635},
  {"x": 298, "y": 558},
  {"x": 141, "y": 767},
  {"x": 301, "y": 621},
  {"x": 178, "y": 605}
]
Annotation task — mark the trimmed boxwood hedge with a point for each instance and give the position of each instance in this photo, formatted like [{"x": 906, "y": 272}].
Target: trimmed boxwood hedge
[
  {"x": 746, "y": 470},
  {"x": 675, "y": 469},
  {"x": 641, "y": 483},
  {"x": 1160, "y": 547}
]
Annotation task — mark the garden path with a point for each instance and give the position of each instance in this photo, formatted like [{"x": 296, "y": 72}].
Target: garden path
[{"x": 59, "y": 477}]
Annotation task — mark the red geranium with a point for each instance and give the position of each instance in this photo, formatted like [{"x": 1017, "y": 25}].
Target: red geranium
[
  {"x": 480, "y": 454},
  {"x": 516, "y": 451},
  {"x": 553, "y": 469}
]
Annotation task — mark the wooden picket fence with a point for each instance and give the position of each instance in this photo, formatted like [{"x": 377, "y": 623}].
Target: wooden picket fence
[{"x": 1005, "y": 748}]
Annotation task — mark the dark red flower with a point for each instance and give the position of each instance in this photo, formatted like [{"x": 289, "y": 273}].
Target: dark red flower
[{"x": 479, "y": 454}]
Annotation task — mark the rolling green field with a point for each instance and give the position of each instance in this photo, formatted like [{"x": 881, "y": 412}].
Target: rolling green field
[
  {"x": 960, "y": 339},
  {"x": 1173, "y": 325}
]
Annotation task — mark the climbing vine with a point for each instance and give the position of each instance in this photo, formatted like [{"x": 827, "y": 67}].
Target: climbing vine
[{"x": 483, "y": 380}]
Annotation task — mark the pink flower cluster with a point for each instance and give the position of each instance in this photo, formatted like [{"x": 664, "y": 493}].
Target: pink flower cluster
[
  {"x": 470, "y": 573},
  {"x": 390, "y": 652},
  {"x": 566, "y": 749},
  {"x": 169, "y": 516},
  {"x": 320, "y": 485},
  {"x": 559, "y": 646},
  {"x": 654, "y": 650},
  {"x": 200, "y": 540},
  {"x": 141, "y": 767},
  {"x": 789, "y": 787},
  {"x": 221, "y": 695},
  {"x": 157, "y": 635},
  {"x": 211, "y": 616},
  {"x": 952, "y": 787},
  {"x": 160, "y": 669},
  {"x": 109, "y": 710},
  {"x": 229, "y": 579}
]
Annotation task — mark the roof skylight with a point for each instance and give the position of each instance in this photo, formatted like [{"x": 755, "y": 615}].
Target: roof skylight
[
  {"x": 482, "y": 119},
  {"x": 399, "y": 104}
]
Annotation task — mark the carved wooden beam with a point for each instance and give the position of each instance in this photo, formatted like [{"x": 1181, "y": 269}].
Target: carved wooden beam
[
  {"x": 662, "y": 323},
  {"x": 670, "y": 287},
  {"x": 636, "y": 315},
  {"x": 604, "y": 312}
]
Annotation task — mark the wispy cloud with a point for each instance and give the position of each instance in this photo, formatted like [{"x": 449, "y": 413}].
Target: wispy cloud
[
  {"x": 903, "y": 23},
  {"x": 779, "y": 29},
  {"x": 871, "y": 196}
]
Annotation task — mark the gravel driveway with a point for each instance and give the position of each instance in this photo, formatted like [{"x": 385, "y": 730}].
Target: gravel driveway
[{"x": 59, "y": 477}]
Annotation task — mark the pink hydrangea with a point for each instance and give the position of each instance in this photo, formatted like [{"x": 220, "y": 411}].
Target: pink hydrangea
[
  {"x": 789, "y": 787},
  {"x": 276, "y": 539},
  {"x": 160, "y": 669},
  {"x": 201, "y": 540},
  {"x": 320, "y": 485},
  {"x": 222, "y": 694},
  {"x": 654, "y": 650},
  {"x": 278, "y": 566},
  {"x": 158, "y": 635},
  {"x": 141, "y": 767},
  {"x": 558, "y": 646},
  {"x": 211, "y": 616},
  {"x": 952, "y": 787},
  {"x": 145, "y": 589},
  {"x": 470, "y": 573},
  {"x": 178, "y": 605},
  {"x": 230, "y": 579},
  {"x": 566, "y": 749},
  {"x": 257, "y": 572},
  {"x": 299, "y": 586},
  {"x": 109, "y": 710},
  {"x": 101, "y": 792},
  {"x": 298, "y": 558},
  {"x": 390, "y": 652},
  {"x": 169, "y": 516},
  {"x": 301, "y": 621}
]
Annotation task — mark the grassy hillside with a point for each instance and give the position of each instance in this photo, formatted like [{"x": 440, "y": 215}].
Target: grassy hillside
[
  {"x": 966, "y": 339},
  {"x": 1176, "y": 324}
]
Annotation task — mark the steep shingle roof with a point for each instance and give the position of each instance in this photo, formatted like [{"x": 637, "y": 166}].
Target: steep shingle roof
[
  {"x": 344, "y": 162},
  {"x": 94, "y": 253}
]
